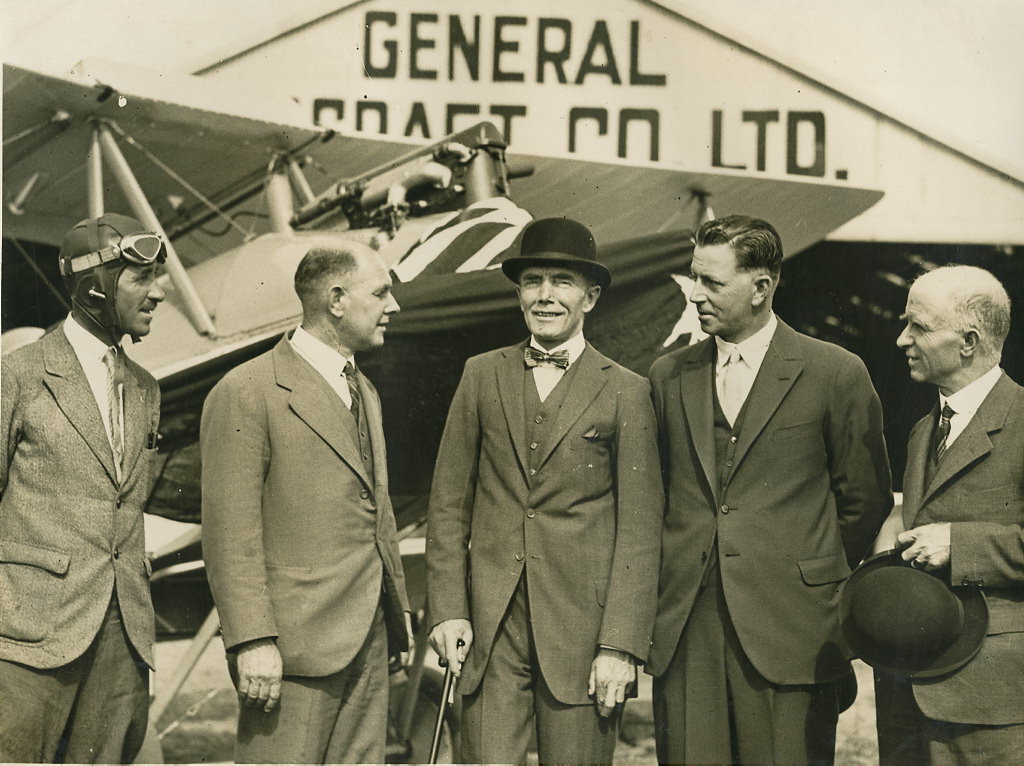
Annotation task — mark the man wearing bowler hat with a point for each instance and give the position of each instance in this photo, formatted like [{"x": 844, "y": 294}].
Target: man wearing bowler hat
[
  {"x": 79, "y": 434},
  {"x": 963, "y": 511},
  {"x": 544, "y": 522}
]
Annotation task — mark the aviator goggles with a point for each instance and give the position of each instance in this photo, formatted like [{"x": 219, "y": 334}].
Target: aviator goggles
[{"x": 140, "y": 249}]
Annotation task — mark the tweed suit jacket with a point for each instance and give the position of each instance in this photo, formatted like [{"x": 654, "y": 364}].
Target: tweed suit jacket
[
  {"x": 297, "y": 539},
  {"x": 978, "y": 487},
  {"x": 70, "y": 532},
  {"x": 585, "y": 527},
  {"x": 806, "y": 494}
]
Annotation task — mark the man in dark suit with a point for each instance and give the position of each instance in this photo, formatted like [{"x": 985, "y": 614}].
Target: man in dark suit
[
  {"x": 544, "y": 521},
  {"x": 777, "y": 481},
  {"x": 298, "y": 530},
  {"x": 963, "y": 511},
  {"x": 79, "y": 434}
]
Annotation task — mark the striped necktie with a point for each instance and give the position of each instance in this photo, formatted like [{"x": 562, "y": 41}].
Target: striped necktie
[
  {"x": 942, "y": 432},
  {"x": 353, "y": 389},
  {"x": 115, "y": 376}
]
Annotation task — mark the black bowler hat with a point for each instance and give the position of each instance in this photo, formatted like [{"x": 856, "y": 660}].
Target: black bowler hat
[
  {"x": 908, "y": 622},
  {"x": 557, "y": 242}
]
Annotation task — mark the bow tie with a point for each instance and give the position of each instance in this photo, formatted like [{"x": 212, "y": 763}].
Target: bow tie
[{"x": 533, "y": 357}]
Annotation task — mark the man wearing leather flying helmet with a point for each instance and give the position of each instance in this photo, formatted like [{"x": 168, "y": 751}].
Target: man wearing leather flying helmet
[
  {"x": 78, "y": 427},
  {"x": 94, "y": 257}
]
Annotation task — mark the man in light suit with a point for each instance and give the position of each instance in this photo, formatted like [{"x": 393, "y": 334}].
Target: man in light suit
[
  {"x": 963, "y": 511},
  {"x": 544, "y": 521},
  {"x": 298, "y": 530},
  {"x": 79, "y": 434},
  {"x": 777, "y": 481}
]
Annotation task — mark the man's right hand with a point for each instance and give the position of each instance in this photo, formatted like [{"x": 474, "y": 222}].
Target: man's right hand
[
  {"x": 444, "y": 637},
  {"x": 259, "y": 673}
]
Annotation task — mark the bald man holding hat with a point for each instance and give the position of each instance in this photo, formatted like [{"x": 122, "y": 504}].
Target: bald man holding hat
[
  {"x": 79, "y": 432},
  {"x": 544, "y": 523}
]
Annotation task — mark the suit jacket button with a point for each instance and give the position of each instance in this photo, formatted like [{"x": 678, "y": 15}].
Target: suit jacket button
[
  {"x": 117, "y": 553},
  {"x": 539, "y": 419},
  {"x": 725, "y": 509},
  {"x": 519, "y": 557},
  {"x": 530, "y": 513},
  {"x": 364, "y": 494},
  {"x": 533, "y": 445},
  {"x": 117, "y": 503}
]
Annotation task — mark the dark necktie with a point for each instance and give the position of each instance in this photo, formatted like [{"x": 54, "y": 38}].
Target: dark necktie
[
  {"x": 353, "y": 390},
  {"x": 942, "y": 432},
  {"x": 533, "y": 357},
  {"x": 115, "y": 377}
]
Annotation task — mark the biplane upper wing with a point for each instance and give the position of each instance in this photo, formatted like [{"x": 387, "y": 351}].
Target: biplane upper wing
[
  {"x": 621, "y": 201},
  {"x": 169, "y": 127},
  {"x": 175, "y": 128}
]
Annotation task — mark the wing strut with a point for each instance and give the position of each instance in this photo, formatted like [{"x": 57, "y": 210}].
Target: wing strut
[{"x": 194, "y": 307}]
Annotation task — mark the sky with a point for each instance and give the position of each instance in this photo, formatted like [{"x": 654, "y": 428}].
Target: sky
[{"x": 951, "y": 68}]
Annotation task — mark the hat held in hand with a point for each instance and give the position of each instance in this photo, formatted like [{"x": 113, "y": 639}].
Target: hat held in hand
[{"x": 908, "y": 622}]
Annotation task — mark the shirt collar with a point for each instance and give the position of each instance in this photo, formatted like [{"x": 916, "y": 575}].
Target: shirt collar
[
  {"x": 752, "y": 349},
  {"x": 576, "y": 345},
  {"x": 968, "y": 399},
  {"x": 318, "y": 352},
  {"x": 85, "y": 344}
]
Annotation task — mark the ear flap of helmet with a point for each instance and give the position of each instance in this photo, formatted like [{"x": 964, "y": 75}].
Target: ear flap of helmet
[{"x": 95, "y": 292}]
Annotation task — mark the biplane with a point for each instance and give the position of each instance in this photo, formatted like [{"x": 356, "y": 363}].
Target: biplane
[{"x": 242, "y": 193}]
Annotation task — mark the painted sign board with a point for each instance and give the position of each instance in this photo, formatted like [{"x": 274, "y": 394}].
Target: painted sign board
[{"x": 627, "y": 81}]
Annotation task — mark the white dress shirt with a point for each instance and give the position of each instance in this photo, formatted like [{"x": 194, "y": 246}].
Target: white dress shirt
[
  {"x": 546, "y": 376},
  {"x": 752, "y": 351},
  {"x": 90, "y": 351},
  {"x": 966, "y": 402},
  {"x": 325, "y": 360}
]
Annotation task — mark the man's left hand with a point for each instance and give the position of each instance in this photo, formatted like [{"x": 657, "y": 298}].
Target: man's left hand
[
  {"x": 926, "y": 547},
  {"x": 612, "y": 673}
]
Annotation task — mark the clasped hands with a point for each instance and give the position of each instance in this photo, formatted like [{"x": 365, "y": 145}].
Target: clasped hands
[{"x": 925, "y": 547}]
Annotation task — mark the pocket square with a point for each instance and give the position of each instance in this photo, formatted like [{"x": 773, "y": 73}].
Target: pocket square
[{"x": 592, "y": 433}]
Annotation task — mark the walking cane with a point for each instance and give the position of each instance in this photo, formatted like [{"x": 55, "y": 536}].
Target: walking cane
[{"x": 442, "y": 708}]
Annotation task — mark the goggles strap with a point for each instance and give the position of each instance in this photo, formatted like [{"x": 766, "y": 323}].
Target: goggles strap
[{"x": 90, "y": 260}]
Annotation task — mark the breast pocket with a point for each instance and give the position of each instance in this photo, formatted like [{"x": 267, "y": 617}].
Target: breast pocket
[
  {"x": 31, "y": 589},
  {"x": 796, "y": 443}
]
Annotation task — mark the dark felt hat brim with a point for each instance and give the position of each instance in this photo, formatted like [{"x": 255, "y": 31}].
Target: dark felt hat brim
[
  {"x": 514, "y": 264},
  {"x": 962, "y": 650}
]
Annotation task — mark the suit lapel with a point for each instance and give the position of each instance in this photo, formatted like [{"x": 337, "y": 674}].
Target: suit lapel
[
  {"x": 974, "y": 442},
  {"x": 781, "y": 367},
  {"x": 70, "y": 388},
  {"x": 136, "y": 419},
  {"x": 372, "y": 413},
  {"x": 917, "y": 460},
  {"x": 696, "y": 383},
  {"x": 509, "y": 372},
  {"x": 590, "y": 378},
  {"x": 309, "y": 393}
]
